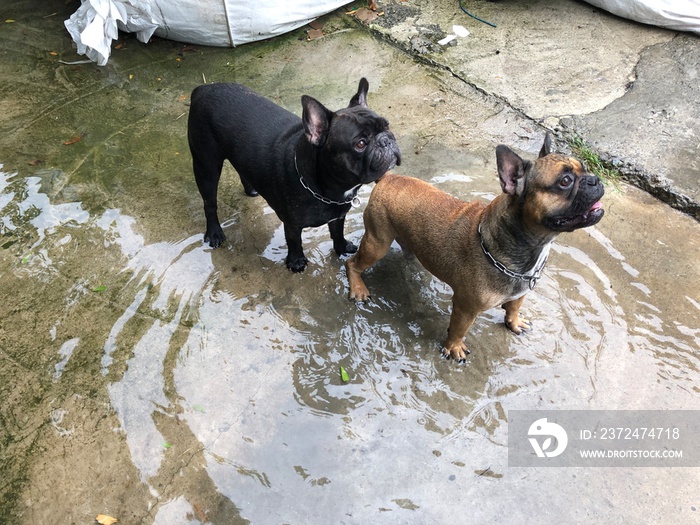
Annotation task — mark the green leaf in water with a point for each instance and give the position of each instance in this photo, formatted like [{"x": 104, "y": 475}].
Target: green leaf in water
[
  {"x": 100, "y": 288},
  {"x": 26, "y": 258},
  {"x": 199, "y": 408},
  {"x": 344, "y": 375},
  {"x": 167, "y": 445}
]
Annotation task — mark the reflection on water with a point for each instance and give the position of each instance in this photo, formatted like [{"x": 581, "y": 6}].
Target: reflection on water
[
  {"x": 254, "y": 375},
  {"x": 65, "y": 352}
]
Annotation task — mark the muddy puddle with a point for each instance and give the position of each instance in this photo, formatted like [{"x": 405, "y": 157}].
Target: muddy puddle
[{"x": 148, "y": 377}]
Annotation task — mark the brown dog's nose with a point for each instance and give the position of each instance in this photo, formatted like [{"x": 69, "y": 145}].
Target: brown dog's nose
[{"x": 590, "y": 180}]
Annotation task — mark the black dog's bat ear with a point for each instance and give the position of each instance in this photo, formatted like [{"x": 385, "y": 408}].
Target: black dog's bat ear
[
  {"x": 546, "y": 145},
  {"x": 360, "y": 98},
  {"x": 316, "y": 119},
  {"x": 511, "y": 170}
]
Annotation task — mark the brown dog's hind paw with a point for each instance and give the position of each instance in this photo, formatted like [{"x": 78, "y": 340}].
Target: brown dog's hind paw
[{"x": 518, "y": 325}]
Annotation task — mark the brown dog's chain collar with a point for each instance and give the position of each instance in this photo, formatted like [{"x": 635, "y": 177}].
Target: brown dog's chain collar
[
  {"x": 532, "y": 279},
  {"x": 354, "y": 201}
]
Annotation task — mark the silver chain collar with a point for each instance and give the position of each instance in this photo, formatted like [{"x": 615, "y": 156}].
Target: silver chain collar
[
  {"x": 354, "y": 201},
  {"x": 532, "y": 279}
]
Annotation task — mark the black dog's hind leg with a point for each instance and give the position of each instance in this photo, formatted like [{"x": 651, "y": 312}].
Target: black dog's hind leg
[
  {"x": 207, "y": 172},
  {"x": 295, "y": 254},
  {"x": 340, "y": 244},
  {"x": 248, "y": 188}
]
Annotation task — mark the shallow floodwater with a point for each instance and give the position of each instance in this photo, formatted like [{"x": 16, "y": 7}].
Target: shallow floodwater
[{"x": 224, "y": 357}]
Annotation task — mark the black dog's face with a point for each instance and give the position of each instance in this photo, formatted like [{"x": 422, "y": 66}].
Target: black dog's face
[
  {"x": 361, "y": 144},
  {"x": 354, "y": 144},
  {"x": 566, "y": 196}
]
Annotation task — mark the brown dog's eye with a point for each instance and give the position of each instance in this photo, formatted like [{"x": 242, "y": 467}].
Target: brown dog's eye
[
  {"x": 566, "y": 181},
  {"x": 361, "y": 144}
]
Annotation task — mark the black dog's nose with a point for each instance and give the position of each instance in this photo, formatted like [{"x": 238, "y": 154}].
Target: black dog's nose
[
  {"x": 387, "y": 150},
  {"x": 383, "y": 140}
]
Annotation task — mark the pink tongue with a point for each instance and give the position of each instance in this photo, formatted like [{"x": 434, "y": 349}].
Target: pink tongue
[{"x": 596, "y": 206}]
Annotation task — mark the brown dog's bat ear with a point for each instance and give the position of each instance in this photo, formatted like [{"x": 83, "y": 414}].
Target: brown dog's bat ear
[
  {"x": 511, "y": 170},
  {"x": 316, "y": 119},
  {"x": 546, "y": 145},
  {"x": 360, "y": 98}
]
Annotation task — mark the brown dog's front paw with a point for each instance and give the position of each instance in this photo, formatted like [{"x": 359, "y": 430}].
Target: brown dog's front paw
[
  {"x": 358, "y": 290},
  {"x": 359, "y": 293},
  {"x": 458, "y": 352},
  {"x": 518, "y": 325}
]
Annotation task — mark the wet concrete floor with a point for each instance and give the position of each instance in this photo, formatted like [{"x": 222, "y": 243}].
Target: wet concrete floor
[{"x": 148, "y": 377}]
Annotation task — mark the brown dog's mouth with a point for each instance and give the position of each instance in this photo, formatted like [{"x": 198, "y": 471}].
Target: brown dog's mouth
[
  {"x": 570, "y": 223},
  {"x": 598, "y": 206}
]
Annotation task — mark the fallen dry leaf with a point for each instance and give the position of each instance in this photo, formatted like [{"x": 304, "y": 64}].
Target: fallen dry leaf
[
  {"x": 201, "y": 515},
  {"x": 365, "y": 15},
  {"x": 103, "y": 519},
  {"x": 314, "y": 34},
  {"x": 36, "y": 162},
  {"x": 316, "y": 24},
  {"x": 72, "y": 141}
]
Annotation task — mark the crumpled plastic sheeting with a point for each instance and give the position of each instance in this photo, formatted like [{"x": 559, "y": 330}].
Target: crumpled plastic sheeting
[
  {"x": 679, "y": 15},
  {"x": 96, "y": 23},
  {"x": 222, "y": 23}
]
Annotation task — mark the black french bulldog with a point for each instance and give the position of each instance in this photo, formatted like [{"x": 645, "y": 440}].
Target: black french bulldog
[{"x": 308, "y": 170}]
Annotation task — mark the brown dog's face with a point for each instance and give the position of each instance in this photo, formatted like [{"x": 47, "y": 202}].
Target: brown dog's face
[
  {"x": 555, "y": 192},
  {"x": 562, "y": 195}
]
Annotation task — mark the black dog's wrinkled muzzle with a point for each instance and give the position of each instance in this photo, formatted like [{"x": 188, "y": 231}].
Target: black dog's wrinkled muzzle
[{"x": 386, "y": 155}]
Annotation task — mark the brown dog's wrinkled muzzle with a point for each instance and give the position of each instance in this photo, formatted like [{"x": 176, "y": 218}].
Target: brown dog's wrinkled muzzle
[{"x": 586, "y": 209}]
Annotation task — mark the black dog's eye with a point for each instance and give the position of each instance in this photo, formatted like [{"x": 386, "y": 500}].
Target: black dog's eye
[
  {"x": 361, "y": 144},
  {"x": 566, "y": 181}
]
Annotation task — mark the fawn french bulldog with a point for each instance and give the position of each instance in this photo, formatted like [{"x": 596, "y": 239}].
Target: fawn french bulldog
[{"x": 489, "y": 254}]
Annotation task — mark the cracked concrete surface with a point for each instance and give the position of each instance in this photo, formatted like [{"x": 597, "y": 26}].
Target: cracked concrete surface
[
  {"x": 630, "y": 91},
  {"x": 651, "y": 132}
]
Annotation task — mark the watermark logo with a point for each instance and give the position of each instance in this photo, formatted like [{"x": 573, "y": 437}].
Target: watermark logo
[
  {"x": 549, "y": 432},
  {"x": 603, "y": 438}
]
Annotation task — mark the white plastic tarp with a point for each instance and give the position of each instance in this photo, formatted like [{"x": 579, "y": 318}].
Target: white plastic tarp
[
  {"x": 222, "y": 23},
  {"x": 679, "y": 15}
]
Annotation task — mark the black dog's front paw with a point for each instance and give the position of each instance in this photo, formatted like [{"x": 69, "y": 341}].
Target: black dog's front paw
[
  {"x": 297, "y": 265},
  {"x": 344, "y": 247},
  {"x": 214, "y": 236}
]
